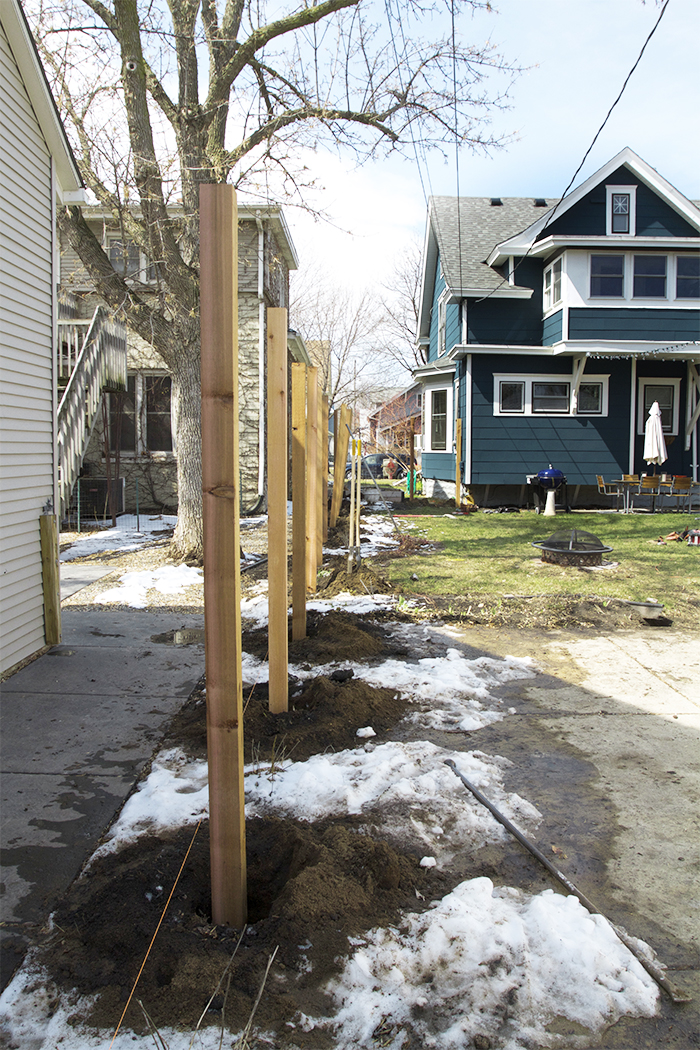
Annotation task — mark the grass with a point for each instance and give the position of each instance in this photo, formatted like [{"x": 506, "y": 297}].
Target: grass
[{"x": 491, "y": 554}]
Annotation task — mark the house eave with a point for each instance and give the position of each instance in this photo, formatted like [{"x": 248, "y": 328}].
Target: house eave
[
  {"x": 620, "y": 348},
  {"x": 444, "y": 366},
  {"x": 519, "y": 244},
  {"x": 622, "y": 242},
  {"x": 43, "y": 103}
]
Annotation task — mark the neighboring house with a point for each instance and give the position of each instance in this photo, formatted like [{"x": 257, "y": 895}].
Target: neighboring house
[
  {"x": 391, "y": 424},
  {"x": 552, "y": 328},
  {"x": 140, "y": 422},
  {"x": 38, "y": 174}
]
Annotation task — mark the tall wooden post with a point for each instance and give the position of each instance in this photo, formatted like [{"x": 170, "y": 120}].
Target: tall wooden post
[
  {"x": 412, "y": 460},
  {"x": 311, "y": 475},
  {"x": 344, "y": 417},
  {"x": 51, "y": 578},
  {"x": 222, "y": 581},
  {"x": 458, "y": 463},
  {"x": 298, "y": 501},
  {"x": 324, "y": 471},
  {"x": 277, "y": 453}
]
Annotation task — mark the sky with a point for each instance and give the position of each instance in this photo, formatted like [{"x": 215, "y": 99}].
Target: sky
[{"x": 577, "y": 54}]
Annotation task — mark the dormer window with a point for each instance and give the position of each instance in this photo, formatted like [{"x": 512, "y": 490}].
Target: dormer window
[{"x": 620, "y": 209}]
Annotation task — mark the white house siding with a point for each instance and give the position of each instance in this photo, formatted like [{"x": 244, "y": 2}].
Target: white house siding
[{"x": 26, "y": 352}]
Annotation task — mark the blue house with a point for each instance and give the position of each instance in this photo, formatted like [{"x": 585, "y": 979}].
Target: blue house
[{"x": 551, "y": 328}]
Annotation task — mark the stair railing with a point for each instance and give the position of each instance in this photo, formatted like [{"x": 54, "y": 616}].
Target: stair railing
[{"x": 99, "y": 365}]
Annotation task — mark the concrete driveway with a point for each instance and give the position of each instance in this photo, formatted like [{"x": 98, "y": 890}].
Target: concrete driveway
[
  {"x": 78, "y": 726},
  {"x": 605, "y": 742}
]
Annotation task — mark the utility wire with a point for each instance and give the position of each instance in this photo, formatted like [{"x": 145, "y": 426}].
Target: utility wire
[{"x": 586, "y": 154}]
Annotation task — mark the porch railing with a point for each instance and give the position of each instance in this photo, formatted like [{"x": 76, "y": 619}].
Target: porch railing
[{"x": 91, "y": 358}]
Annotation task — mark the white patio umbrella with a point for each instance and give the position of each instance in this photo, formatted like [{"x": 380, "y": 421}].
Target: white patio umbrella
[{"x": 654, "y": 444}]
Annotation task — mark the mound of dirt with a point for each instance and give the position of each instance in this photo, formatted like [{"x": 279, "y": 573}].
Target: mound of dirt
[{"x": 309, "y": 888}]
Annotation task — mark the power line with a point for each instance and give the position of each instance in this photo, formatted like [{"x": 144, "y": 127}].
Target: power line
[{"x": 550, "y": 219}]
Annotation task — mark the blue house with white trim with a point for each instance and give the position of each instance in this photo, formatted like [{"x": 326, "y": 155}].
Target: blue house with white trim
[{"x": 551, "y": 328}]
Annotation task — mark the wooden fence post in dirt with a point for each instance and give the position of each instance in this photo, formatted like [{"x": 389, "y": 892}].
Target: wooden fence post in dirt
[
  {"x": 412, "y": 461},
  {"x": 51, "y": 578},
  {"x": 222, "y": 580},
  {"x": 298, "y": 501},
  {"x": 344, "y": 415},
  {"x": 324, "y": 471},
  {"x": 277, "y": 456},
  {"x": 311, "y": 476},
  {"x": 458, "y": 463}
]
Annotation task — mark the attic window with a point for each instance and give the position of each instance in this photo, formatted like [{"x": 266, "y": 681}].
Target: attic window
[
  {"x": 496, "y": 202},
  {"x": 540, "y": 202},
  {"x": 620, "y": 202}
]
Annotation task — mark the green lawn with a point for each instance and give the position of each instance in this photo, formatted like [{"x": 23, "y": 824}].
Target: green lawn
[{"x": 491, "y": 554}]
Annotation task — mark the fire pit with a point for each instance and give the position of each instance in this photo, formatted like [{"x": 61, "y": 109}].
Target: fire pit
[{"x": 572, "y": 547}]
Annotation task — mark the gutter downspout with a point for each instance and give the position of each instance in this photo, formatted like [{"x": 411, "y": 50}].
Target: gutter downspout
[{"x": 261, "y": 354}]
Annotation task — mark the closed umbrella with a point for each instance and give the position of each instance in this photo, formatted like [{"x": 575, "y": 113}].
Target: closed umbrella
[{"x": 654, "y": 444}]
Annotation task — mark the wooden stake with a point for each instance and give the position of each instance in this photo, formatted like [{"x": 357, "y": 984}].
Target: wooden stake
[
  {"x": 458, "y": 463},
  {"x": 324, "y": 470},
  {"x": 311, "y": 476},
  {"x": 321, "y": 510},
  {"x": 51, "y": 578},
  {"x": 222, "y": 582},
  {"x": 277, "y": 453},
  {"x": 412, "y": 461},
  {"x": 339, "y": 461},
  {"x": 351, "y": 527},
  {"x": 298, "y": 501}
]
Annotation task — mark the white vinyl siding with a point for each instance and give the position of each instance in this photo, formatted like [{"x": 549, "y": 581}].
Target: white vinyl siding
[{"x": 26, "y": 370}]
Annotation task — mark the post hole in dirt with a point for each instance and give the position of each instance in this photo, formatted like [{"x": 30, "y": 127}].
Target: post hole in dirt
[{"x": 222, "y": 579}]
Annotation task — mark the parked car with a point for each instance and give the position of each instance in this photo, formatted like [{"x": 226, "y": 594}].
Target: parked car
[{"x": 374, "y": 464}]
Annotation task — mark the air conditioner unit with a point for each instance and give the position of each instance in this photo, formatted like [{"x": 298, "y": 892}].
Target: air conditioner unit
[{"x": 92, "y": 495}]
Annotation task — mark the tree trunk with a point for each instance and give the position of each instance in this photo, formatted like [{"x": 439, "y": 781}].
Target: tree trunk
[{"x": 187, "y": 416}]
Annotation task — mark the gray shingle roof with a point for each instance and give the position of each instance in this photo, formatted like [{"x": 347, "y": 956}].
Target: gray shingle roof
[{"x": 481, "y": 227}]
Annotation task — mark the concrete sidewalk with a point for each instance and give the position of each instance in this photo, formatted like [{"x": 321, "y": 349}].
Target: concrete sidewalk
[{"x": 78, "y": 726}]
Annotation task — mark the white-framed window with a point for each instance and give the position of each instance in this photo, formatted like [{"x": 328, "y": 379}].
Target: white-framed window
[
  {"x": 643, "y": 275},
  {"x": 688, "y": 277},
  {"x": 140, "y": 419},
  {"x": 437, "y": 415},
  {"x": 552, "y": 284},
  {"x": 607, "y": 276},
  {"x": 128, "y": 260},
  {"x": 649, "y": 276},
  {"x": 621, "y": 210},
  {"x": 549, "y": 395},
  {"x": 667, "y": 393}
]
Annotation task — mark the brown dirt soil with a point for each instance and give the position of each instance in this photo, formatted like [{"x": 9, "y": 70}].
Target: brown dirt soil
[{"x": 310, "y": 886}]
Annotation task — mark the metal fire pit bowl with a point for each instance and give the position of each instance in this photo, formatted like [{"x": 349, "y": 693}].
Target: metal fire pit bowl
[{"x": 572, "y": 547}]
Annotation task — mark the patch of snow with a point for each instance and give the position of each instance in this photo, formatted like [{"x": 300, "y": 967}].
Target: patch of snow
[
  {"x": 134, "y": 586},
  {"x": 122, "y": 538},
  {"x": 497, "y": 963},
  {"x": 403, "y": 788}
]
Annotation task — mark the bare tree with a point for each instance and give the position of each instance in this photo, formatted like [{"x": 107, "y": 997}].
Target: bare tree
[
  {"x": 161, "y": 97},
  {"x": 342, "y": 332},
  {"x": 401, "y": 302}
]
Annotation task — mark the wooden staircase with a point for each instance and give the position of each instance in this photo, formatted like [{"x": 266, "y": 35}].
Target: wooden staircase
[{"x": 91, "y": 359}]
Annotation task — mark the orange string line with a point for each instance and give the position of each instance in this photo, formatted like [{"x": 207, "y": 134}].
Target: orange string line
[{"x": 145, "y": 960}]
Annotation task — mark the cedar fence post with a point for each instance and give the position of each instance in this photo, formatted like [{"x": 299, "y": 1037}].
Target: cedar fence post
[
  {"x": 458, "y": 463},
  {"x": 277, "y": 455},
  {"x": 222, "y": 581},
  {"x": 311, "y": 475},
  {"x": 298, "y": 501}
]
